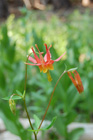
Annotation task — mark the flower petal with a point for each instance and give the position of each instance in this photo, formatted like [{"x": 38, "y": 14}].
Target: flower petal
[
  {"x": 32, "y": 59},
  {"x": 36, "y": 57},
  {"x": 33, "y": 64},
  {"x": 47, "y": 56},
  {"x": 45, "y": 70},
  {"x": 72, "y": 79},
  {"x": 41, "y": 68},
  {"x": 50, "y": 67},
  {"x": 60, "y": 57},
  {"x": 77, "y": 81},
  {"x": 51, "y": 62},
  {"x": 40, "y": 55}
]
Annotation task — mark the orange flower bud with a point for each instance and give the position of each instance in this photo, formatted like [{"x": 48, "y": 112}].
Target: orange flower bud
[{"x": 76, "y": 81}]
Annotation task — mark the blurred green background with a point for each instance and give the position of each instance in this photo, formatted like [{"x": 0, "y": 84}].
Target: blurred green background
[{"x": 73, "y": 35}]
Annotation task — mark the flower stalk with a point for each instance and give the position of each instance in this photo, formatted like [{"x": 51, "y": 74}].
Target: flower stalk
[{"x": 51, "y": 99}]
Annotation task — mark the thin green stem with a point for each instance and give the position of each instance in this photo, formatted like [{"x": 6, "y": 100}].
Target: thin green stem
[
  {"x": 25, "y": 77},
  {"x": 51, "y": 99},
  {"x": 26, "y": 73},
  {"x": 24, "y": 98},
  {"x": 29, "y": 119}
]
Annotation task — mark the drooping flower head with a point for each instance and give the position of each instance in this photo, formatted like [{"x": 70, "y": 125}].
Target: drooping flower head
[
  {"x": 44, "y": 63},
  {"x": 76, "y": 81}
]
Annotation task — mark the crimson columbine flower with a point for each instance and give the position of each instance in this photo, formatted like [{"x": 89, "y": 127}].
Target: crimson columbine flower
[
  {"x": 44, "y": 63},
  {"x": 76, "y": 81}
]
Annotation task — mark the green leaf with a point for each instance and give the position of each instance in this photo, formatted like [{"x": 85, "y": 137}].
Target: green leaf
[
  {"x": 23, "y": 94},
  {"x": 14, "y": 98},
  {"x": 72, "y": 69},
  {"x": 71, "y": 116},
  {"x": 51, "y": 124},
  {"x": 60, "y": 125},
  {"x": 76, "y": 133},
  {"x": 18, "y": 92},
  {"x": 37, "y": 121},
  {"x": 46, "y": 128}
]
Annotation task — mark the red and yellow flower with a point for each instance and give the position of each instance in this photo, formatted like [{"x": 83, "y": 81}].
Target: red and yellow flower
[
  {"x": 76, "y": 81},
  {"x": 44, "y": 63}
]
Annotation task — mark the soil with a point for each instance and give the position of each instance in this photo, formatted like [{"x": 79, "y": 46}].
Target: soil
[{"x": 63, "y": 12}]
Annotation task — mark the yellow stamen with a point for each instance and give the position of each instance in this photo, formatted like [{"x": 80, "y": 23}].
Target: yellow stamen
[{"x": 49, "y": 76}]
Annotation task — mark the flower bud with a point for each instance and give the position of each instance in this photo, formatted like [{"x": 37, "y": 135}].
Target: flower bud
[
  {"x": 76, "y": 81},
  {"x": 12, "y": 106}
]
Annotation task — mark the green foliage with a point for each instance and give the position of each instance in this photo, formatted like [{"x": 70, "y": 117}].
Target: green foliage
[
  {"x": 14, "y": 98},
  {"x": 76, "y": 133},
  {"x": 19, "y": 93},
  {"x": 12, "y": 123},
  {"x": 74, "y": 36},
  {"x": 37, "y": 123}
]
